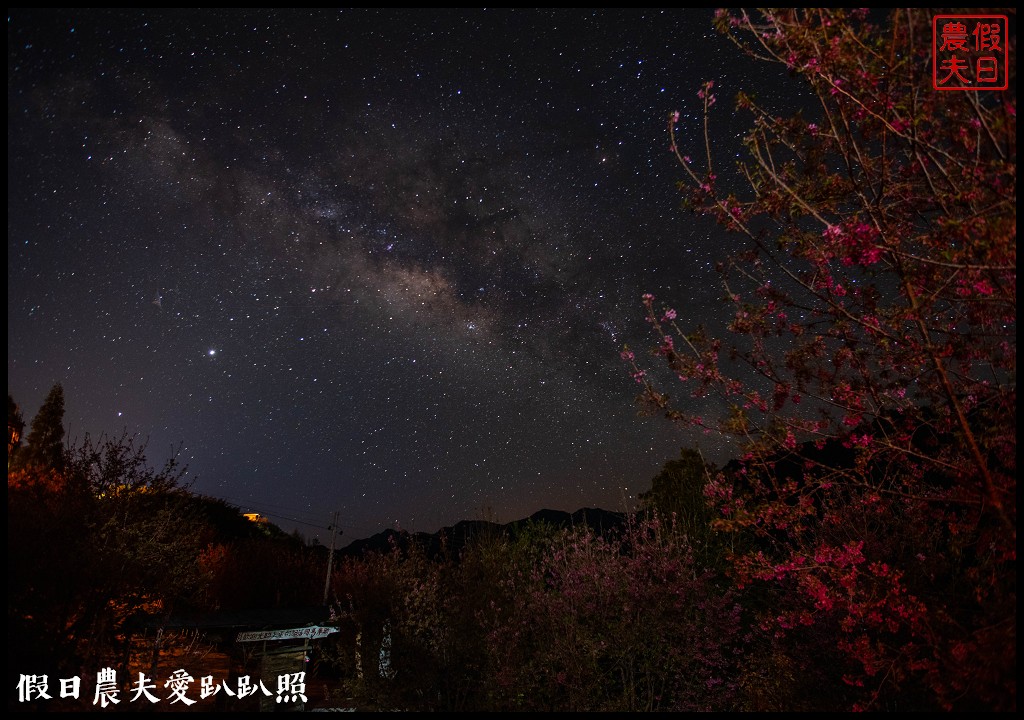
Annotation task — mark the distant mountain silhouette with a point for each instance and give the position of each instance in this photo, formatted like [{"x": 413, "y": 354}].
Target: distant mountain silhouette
[{"x": 452, "y": 540}]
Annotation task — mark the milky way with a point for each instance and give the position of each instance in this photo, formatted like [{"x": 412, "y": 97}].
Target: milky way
[{"x": 378, "y": 262}]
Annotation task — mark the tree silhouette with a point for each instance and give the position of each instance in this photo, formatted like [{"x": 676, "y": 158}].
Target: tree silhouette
[
  {"x": 44, "y": 445},
  {"x": 15, "y": 426},
  {"x": 677, "y": 495},
  {"x": 91, "y": 545}
]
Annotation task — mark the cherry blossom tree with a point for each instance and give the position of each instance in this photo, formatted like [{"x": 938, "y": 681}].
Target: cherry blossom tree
[{"x": 869, "y": 366}]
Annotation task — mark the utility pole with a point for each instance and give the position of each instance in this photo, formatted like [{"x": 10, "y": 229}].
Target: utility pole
[{"x": 330, "y": 556}]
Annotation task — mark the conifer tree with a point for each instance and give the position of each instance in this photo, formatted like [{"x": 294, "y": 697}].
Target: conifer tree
[{"x": 44, "y": 445}]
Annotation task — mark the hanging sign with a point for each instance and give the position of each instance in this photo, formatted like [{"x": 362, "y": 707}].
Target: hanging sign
[{"x": 309, "y": 633}]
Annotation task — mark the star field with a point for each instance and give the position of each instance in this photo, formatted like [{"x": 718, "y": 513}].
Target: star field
[{"x": 379, "y": 262}]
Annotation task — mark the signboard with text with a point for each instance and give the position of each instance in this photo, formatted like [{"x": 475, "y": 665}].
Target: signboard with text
[{"x": 308, "y": 633}]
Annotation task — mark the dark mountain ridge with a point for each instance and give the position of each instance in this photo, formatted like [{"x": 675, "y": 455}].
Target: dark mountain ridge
[{"x": 453, "y": 539}]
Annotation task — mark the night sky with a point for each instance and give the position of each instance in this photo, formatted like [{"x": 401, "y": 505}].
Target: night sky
[{"x": 374, "y": 262}]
